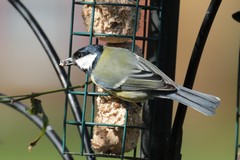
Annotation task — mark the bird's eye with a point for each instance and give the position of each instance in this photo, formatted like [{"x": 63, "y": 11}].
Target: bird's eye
[{"x": 79, "y": 55}]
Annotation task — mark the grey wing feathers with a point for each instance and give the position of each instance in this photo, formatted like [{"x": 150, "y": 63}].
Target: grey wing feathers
[
  {"x": 149, "y": 66},
  {"x": 146, "y": 76}
]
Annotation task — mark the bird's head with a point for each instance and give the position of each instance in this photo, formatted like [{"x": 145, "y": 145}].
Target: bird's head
[{"x": 85, "y": 58}]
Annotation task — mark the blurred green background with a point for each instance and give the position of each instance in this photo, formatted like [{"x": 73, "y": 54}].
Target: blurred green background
[{"x": 25, "y": 68}]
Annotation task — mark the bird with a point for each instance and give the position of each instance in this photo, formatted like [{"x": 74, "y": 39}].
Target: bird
[{"x": 127, "y": 76}]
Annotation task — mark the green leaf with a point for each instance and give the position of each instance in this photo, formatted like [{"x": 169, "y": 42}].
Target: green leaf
[{"x": 37, "y": 109}]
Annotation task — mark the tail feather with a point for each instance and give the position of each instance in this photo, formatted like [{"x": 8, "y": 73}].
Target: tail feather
[{"x": 201, "y": 102}]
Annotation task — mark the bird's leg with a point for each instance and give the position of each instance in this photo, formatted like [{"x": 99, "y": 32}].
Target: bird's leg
[{"x": 132, "y": 105}]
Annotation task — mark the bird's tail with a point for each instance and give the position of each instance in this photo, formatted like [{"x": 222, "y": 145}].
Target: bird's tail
[{"x": 201, "y": 102}]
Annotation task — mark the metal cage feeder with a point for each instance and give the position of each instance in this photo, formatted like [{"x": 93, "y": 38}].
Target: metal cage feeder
[{"x": 89, "y": 93}]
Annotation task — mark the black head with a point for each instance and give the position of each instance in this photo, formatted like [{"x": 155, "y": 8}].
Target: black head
[
  {"x": 86, "y": 57},
  {"x": 90, "y": 49}
]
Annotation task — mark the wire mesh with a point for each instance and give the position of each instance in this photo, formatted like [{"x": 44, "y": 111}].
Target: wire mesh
[{"x": 89, "y": 93}]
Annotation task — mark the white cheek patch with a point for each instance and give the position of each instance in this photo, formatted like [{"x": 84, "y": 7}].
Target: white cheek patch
[{"x": 86, "y": 62}]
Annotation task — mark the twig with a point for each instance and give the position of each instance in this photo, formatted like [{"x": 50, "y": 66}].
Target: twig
[{"x": 10, "y": 99}]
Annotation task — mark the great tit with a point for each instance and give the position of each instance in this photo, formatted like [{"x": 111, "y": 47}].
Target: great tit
[{"x": 132, "y": 78}]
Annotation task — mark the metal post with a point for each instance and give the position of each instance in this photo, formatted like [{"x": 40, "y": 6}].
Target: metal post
[{"x": 164, "y": 25}]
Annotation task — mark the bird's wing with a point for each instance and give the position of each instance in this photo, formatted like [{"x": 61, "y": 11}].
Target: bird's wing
[
  {"x": 119, "y": 69},
  {"x": 152, "y": 68},
  {"x": 146, "y": 76}
]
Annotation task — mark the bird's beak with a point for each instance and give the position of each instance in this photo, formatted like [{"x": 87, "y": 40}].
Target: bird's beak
[{"x": 67, "y": 62}]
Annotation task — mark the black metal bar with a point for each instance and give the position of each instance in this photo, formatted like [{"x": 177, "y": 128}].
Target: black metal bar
[
  {"x": 50, "y": 133},
  {"x": 236, "y": 16},
  {"x": 164, "y": 26},
  {"x": 176, "y": 136},
  {"x": 53, "y": 57}
]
